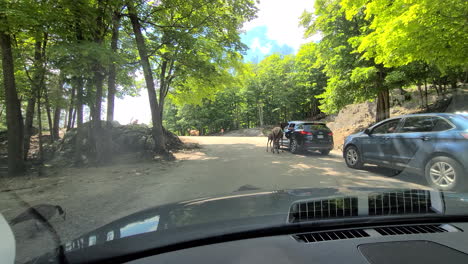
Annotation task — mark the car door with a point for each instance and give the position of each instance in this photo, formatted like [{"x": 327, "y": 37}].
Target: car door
[
  {"x": 378, "y": 146},
  {"x": 416, "y": 139}
]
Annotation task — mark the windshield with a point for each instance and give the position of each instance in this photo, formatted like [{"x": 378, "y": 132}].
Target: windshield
[
  {"x": 309, "y": 127},
  {"x": 173, "y": 114}
]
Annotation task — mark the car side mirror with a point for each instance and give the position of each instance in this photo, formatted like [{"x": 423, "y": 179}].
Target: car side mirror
[{"x": 367, "y": 131}]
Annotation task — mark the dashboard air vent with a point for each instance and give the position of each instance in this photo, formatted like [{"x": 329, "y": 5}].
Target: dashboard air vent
[
  {"x": 415, "y": 229},
  {"x": 331, "y": 235}
]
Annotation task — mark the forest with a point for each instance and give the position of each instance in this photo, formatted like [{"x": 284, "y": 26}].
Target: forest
[{"x": 65, "y": 61}]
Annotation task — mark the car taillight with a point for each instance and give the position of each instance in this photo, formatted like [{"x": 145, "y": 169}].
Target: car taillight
[
  {"x": 330, "y": 134},
  {"x": 305, "y": 133},
  {"x": 464, "y": 134}
]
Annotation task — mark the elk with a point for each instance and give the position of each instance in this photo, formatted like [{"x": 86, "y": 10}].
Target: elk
[
  {"x": 270, "y": 141},
  {"x": 274, "y": 138}
]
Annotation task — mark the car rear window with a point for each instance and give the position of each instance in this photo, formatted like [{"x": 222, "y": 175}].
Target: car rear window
[{"x": 315, "y": 127}]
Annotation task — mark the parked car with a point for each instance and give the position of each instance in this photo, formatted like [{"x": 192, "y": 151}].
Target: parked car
[
  {"x": 307, "y": 136},
  {"x": 435, "y": 145}
]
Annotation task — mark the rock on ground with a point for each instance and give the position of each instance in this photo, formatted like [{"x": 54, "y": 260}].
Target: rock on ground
[{"x": 124, "y": 139}]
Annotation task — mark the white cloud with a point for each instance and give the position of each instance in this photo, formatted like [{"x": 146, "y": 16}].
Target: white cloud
[
  {"x": 263, "y": 49},
  {"x": 281, "y": 18}
]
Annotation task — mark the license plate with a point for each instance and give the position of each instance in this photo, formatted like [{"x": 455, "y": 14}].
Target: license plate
[{"x": 319, "y": 136}]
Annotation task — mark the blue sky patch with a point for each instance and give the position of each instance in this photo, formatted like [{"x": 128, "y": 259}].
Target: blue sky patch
[{"x": 261, "y": 46}]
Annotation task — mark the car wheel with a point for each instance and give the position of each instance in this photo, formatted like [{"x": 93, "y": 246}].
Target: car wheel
[
  {"x": 325, "y": 152},
  {"x": 353, "y": 158},
  {"x": 294, "y": 146},
  {"x": 445, "y": 173}
]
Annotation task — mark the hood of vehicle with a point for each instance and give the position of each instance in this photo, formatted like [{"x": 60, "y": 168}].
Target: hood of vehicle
[{"x": 218, "y": 216}]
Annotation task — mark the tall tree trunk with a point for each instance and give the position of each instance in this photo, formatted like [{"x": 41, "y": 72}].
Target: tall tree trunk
[
  {"x": 111, "y": 81},
  {"x": 39, "y": 126},
  {"x": 49, "y": 115},
  {"x": 65, "y": 123},
  {"x": 435, "y": 87},
  {"x": 260, "y": 114},
  {"x": 58, "y": 110},
  {"x": 73, "y": 120},
  {"x": 420, "y": 93},
  {"x": 157, "y": 130},
  {"x": 101, "y": 142},
  {"x": 383, "y": 96},
  {"x": 79, "y": 102},
  {"x": 383, "y": 105},
  {"x": 28, "y": 124},
  {"x": 425, "y": 92},
  {"x": 35, "y": 83},
  {"x": 70, "y": 108},
  {"x": 78, "y": 82},
  {"x": 56, "y": 126},
  {"x": 13, "y": 107},
  {"x": 99, "y": 134}
]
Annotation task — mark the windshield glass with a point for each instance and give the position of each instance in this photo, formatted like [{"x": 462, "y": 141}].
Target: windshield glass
[
  {"x": 309, "y": 127},
  {"x": 180, "y": 118}
]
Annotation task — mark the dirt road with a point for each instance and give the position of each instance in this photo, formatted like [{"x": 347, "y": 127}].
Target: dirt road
[{"x": 95, "y": 196}]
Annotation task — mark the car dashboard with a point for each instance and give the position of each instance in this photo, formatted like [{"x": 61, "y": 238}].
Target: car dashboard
[{"x": 410, "y": 243}]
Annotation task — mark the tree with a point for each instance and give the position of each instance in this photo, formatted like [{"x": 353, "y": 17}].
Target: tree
[
  {"x": 13, "y": 110},
  {"x": 195, "y": 42},
  {"x": 309, "y": 77},
  {"x": 157, "y": 130},
  {"x": 112, "y": 77},
  {"x": 401, "y": 31},
  {"x": 351, "y": 78}
]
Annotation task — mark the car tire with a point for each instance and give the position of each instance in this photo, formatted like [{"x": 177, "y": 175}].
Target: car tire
[
  {"x": 325, "y": 152},
  {"x": 294, "y": 146},
  {"x": 445, "y": 173},
  {"x": 353, "y": 158}
]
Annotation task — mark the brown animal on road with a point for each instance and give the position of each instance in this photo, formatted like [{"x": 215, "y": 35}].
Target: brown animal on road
[
  {"x": 194, "y": 132},
  {"x": 270, "y": 141},
  {"x": 275, "y": 136}
]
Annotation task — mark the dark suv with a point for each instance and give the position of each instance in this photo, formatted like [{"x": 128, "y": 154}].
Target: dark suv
[
  {"x": 434, "y": 144},
  {"x": 307, "y": 136}
]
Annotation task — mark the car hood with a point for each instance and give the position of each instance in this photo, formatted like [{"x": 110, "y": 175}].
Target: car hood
[{"x": 184, "y": 222}]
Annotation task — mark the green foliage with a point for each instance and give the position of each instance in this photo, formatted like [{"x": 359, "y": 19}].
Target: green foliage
[
  {"x": 402, "y": 31},
  {"x": 277, "y": 89},
  {"x": 350, "y": 78},
  {"x": 197, "y": 44}
]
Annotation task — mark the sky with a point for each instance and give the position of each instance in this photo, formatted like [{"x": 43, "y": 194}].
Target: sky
[{"x": 276, "y": 29}]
